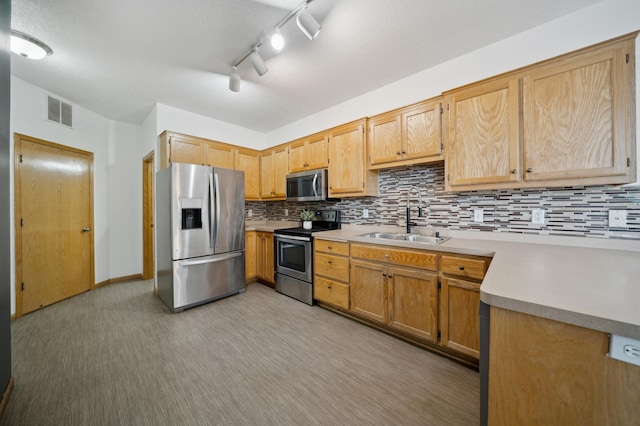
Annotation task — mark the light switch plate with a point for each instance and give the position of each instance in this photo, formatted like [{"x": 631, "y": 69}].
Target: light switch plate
[
  {"x": 537, "y": 217},
  {"x": 478, "y": 215},
  {"x": 624, "y": 349},
  {"x": 250, "y": 213},
  {"x": 617, "y": 218},
  {"x": 286, "y": 212},
  {"x": 365, "y": 213}
]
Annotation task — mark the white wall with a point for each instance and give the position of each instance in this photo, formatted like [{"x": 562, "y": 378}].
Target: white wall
[
  {"x": 177, "y": 120},
  {"x": 586, "y": 27},
  {"x": 125, "y": 199},
  {"x": 150, "y": 136}
]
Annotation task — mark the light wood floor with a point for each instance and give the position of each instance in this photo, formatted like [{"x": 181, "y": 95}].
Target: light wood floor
[{"x": 116, "y": 356}]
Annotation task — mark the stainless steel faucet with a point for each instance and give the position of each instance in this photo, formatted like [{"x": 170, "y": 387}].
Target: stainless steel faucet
[{"x": 409, "y": 223}]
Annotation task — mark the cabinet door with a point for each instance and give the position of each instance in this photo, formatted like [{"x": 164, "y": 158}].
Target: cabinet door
[
  {"x": 280, "y": 168},
  {"x": 422, "y": 131},
  {"x": 249, "y": 162},
  {"x": 264, "y": 264},
  {"x": 574, "y": 116},
  {"x": 369, "y": 290},
  {"x": 385, "y": 139},
  {"x": 414, "y": 302},
  {"x": 183, "y": 150},
  {"x": 346, "y": 160},
  {"x": 459, "y": 318},
  {"x": 220, "y": 156},
  {"x": 250, "y": 255},
  {"x": 484, "y": 132},
  {"x": 297, "y": 156},
  {"x": 332, "y": 292},
  {"x": 266, "y": 176},
  {"x": 317, "y": 152}
]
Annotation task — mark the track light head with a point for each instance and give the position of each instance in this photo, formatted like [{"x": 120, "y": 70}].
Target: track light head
[
  {"x": 307, "y": 24},
  {"x": 234, "y": 81},
  {"x": 277, "y": 41},
  {"x": 258, "y": 63}
]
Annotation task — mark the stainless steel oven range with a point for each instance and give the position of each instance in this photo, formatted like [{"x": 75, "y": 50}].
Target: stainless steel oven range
[{"x": 294, "y": 256}]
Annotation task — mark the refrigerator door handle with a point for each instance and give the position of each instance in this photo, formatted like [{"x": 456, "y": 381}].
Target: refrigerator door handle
[
  {"x": 212, "y": 237},
  {"x": 210, "y": 260},
  {"x": 217, "y": 202}
]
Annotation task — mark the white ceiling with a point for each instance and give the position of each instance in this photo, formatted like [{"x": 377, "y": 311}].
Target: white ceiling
[{"x": 120, "y": 57}]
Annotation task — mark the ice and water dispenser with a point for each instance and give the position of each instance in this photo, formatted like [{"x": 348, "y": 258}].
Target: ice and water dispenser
[{"x": 191, "y": 213}]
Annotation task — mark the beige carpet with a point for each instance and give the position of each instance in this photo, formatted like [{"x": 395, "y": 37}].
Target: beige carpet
[{"x": 116, "y": 356}]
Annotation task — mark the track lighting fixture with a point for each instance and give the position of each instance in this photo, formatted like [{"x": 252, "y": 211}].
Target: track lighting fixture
[
  {"x": 28, "y": 47},
  {"x": 307, "y": 24}
]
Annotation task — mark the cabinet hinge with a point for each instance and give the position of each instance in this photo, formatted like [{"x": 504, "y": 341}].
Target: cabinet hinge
[
  {"x": 439, "y": 334},
  {"x": 362, "y": 184},
  {"x": 439, "y": 285},
  {"x": 21, "y": 223},
  {"x": 628, "y": 161},
  {"x": 21, "y": 158},
  {"x": 22, "y": 287},
  {"x": 447, "y": 107},
  {"x": 447, "y": 176},
  {"x": 627, "y": 58},
  {"x": 441, "y": 110}
]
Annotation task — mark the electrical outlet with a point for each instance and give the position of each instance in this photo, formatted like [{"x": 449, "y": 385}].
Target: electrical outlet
[
  {"x": 286, "y": 212},
  {"x": 478, "y": 215},
  {"x": 365, "y": 213},
  {"x": 537, "y": 217},
  {"x": 617, "y": 218},
  {"x": 624, "y": 349},
  {"x": 250, "y": 213}
]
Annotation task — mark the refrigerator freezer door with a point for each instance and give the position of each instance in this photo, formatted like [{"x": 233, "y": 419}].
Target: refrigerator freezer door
[
  {"x": 204, "y": 279},
  {"x": 228, "y": 210},
  {"x": 190, "y": 211}
]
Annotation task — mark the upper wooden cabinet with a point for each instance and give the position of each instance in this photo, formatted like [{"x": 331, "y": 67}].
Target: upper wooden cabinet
[
  {"x": 566, "y": 121},
  {"x": 273, "y": 171},
  {"x": 248, "y": 160},
  {"x": 409, "y": 135},
  {"x": 220, "y": 155},
  {"x": 309, "y": 153},
  {"x": 178, "y": 148},
  {"x": 348, "y": 174}
]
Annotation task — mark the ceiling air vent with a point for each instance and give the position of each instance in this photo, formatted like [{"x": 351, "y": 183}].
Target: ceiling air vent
[{"x": 59, "y": 112}]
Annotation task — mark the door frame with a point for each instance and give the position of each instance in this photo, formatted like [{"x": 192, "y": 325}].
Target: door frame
[
  {"x": 17, "y": 137},
  {"x": 148, "y": 236}
]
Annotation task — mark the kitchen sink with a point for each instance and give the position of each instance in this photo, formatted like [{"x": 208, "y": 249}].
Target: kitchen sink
[{"x": 414, "y": 238}]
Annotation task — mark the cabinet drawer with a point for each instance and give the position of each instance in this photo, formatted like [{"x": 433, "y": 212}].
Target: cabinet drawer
[
  {"x": 464, "y": 267},
  {"x": 335, "y": 247},
  {"x": 336, "y": 267},
  {"x": 416, "y": 258},
  {"x": 331, "y": 292}
]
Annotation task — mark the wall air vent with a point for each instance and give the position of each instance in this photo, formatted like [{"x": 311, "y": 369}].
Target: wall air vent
[{"x": 59, "y": 112}]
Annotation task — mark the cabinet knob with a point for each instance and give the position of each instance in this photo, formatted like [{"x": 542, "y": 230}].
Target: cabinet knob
[
  {"x": 529, "y": 170},
  {"x": 329, "y": 286},
  {"x": 462, "y": 268},
  {"x": 514, "y": 171},
  {"x": 390, "y": 276},
  {"x": 328, "y": 247},
  {"x": 404, "y": 152},
  {"x": 386, "y": 255},
  {"x": 398, "y": 153},
  {"x": 384, "y": 275},
  {"x": 329, "y": 262}
]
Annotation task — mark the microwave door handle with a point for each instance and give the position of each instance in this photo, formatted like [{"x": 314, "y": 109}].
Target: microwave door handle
[
  {"x": 211, "y": 214},
  {"x": 315, "y": 179}
]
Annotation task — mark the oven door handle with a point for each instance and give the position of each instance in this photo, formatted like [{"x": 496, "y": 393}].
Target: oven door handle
[{"x": 291, "y": 237}]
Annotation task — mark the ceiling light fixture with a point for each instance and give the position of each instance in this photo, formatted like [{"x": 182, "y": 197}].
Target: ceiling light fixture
[
  {"x": 28, "y": 47},
  {"x": 307, "y": 24}
]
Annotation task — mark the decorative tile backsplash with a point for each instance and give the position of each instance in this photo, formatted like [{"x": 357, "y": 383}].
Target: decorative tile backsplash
[{"x": 575, "y": 211}]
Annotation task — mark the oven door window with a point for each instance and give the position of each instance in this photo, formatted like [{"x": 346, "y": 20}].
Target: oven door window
[{"x": 292, "y": 255}]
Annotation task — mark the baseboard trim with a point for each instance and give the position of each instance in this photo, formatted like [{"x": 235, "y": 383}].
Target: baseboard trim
[
  {"x": 5, "y": 397},
  {"x": 13, "y": 317},
  {"x": 118, "y": 280}
]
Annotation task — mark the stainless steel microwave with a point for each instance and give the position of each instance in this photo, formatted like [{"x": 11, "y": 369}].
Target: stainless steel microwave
[{"x": 310, "y": 185}]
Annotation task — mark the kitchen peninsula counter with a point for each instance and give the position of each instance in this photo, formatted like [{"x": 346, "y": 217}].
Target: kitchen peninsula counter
[{"x": 591, "y": 283}]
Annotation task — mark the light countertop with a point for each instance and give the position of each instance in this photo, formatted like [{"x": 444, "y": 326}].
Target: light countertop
[
  {"x": 592, "y": 283},
  {"x": 269, "y": 225}
]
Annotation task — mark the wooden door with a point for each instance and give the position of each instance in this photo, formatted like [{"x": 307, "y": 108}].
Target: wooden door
[
  {"x": 280, "y": 167},
  {"x": 148, "y": 245},
  {"x": 249, "y": 162},
  {"x": 266, "y": 176},
  {"x": 460, "y": 322},
  {"x": 414, "y": 302},
  {"x": 54, "y": 223},
  {"x": 574, "y": 115},
  {"x": 184, "y": 150},
  {"x": 346, "y": 160},
  {"x": 422, "y": 131},
  {"x": 317, "y": 152},
  {"x": 369, "y": 290},
  {"x": 219, "y": 155},
  {"x": 385, "y": 139},
  {"x": 484, "y": 134}
]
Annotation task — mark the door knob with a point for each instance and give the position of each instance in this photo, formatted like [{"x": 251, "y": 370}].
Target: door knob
[{"x": 87, "y": 229}]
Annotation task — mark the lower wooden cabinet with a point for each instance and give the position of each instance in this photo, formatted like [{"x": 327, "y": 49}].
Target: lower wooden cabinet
[
  {"x": 331, "y": 272},
  {"x": 459, "y": 320},
  {"x": 265, "y": 257},
  {"x": 369, "y": 290},
  {"x": 413, "y": 296},
  {"x": 329, "y": 291},
  {"x": 250, "y": 256}
]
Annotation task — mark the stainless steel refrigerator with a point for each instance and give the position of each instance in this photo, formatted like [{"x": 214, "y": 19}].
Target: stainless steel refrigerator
[{"x": 199, "y": 234}]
